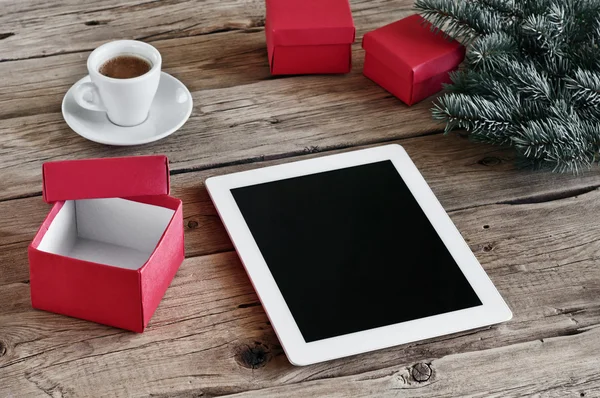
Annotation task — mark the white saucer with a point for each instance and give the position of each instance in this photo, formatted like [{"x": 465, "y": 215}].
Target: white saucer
[{"x": 170, "y": 109}]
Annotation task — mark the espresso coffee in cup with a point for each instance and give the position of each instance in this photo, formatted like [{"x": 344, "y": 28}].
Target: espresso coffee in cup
[
  {"x": 125, "y": 67},
  {"x": 124, "y": 78}
]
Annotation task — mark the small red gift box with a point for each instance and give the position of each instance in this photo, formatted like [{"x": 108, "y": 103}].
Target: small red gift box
[
  {"x": 409, "y": 60},
  {"x": 112, "y": 242},
  {"x": 309, "y": 36}
]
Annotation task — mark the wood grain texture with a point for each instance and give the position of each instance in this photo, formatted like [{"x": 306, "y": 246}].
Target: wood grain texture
[
  {"x": 38, "y": 85},
  {"x": 462, "y": 174},
  {"x": 229, "y": 126},
  {"x": 199, "y": 338},
  {"x": 533, "y": 232},
  {"x": 493, "y": 179},
  {"x": 41, "y": 29},
  {"x": 240, "y": 114},
  {"x": 270, "y": 119},
  {"x": 474, "y": 374}
]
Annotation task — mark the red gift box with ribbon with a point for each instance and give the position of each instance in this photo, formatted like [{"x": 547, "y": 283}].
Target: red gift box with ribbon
[
  {"x": 112, "y": 242},
  {"x": 309, "y": 36},
  {"x": 409, "y": 60}
]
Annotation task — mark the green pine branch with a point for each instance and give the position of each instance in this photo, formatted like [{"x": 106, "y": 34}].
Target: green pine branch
[
  {"x": 462, "y": 19},
  {"x": 531, "y": 77},
  {"x": 486, "y": 52},
  {"x": 509, "y": 8},
  {"x": 475, "y": 114},
  {"x": 556, "y": 143},
  {"x": 585, "y": 87}
]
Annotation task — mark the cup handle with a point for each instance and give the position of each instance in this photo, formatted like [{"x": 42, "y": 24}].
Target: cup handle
[{"x": 87, "y": 96}]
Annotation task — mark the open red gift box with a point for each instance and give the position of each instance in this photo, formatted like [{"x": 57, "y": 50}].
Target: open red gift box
[
  {"x": 309, "y": 36},
  {"x": 111, "y": 244},
  {"x": 409, "y": 60}
]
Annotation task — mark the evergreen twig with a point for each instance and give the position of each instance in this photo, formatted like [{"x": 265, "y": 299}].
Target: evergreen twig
[{"x": 531, "y": 79}]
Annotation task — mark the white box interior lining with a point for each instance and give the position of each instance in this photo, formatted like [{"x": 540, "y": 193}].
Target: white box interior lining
[{"x": 112, "y": 231}]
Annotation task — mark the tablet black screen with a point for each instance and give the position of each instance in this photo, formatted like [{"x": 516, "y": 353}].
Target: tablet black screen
[{"x": 352, "y": 250}]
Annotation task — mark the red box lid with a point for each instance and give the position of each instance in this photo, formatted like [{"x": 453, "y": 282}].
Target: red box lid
[
  {"x": 309, "y": 22},
  {"x": 410, "y": 47},
  {"x": 105, "y": 178}
]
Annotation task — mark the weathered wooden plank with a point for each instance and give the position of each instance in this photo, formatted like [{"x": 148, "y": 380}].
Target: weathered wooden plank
[
  {"x": 41, "y": 29},
  {"x": 37, "y": 86},
  {"x": 461, "y": 173},
  {"x": 210, "y": 326},
  {"x": 273, "y": 118},
  {"x": 210, "y": 331},
  {"x": 229, "y": 123},
  {"x": 209, "y": 301},
  {"x": 555, "y": 367},
  {"x": 34, "y": 86}
]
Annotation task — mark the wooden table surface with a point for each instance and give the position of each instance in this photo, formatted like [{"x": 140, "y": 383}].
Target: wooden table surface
[{"x": 535, "y": 233}]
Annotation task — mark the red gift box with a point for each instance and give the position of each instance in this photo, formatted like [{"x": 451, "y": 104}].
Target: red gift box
[
  {"x": 309, "y": 36},
  {"x": 409, "y": 60},
  {"x": 112, "y": 242}
]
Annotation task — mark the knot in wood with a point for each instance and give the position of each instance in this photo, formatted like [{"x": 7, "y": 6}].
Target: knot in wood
[
  {"x": 253, "y": 356},
  {"x": 3, "y": 348},
  {"x": 489, "y": 161},
  {"x": 421, "y": 372},
  {"x": 193, "y": 224}
]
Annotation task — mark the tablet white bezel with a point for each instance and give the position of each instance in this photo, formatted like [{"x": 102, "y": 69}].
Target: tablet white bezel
[{"x": 493, "y": 310}]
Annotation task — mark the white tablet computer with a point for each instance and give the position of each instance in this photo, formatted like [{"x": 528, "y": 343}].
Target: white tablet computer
[{"x": 351, "y": 253}]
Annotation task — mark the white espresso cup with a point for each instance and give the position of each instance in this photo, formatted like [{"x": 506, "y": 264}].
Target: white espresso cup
[{"x": 125, "y": 101}]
